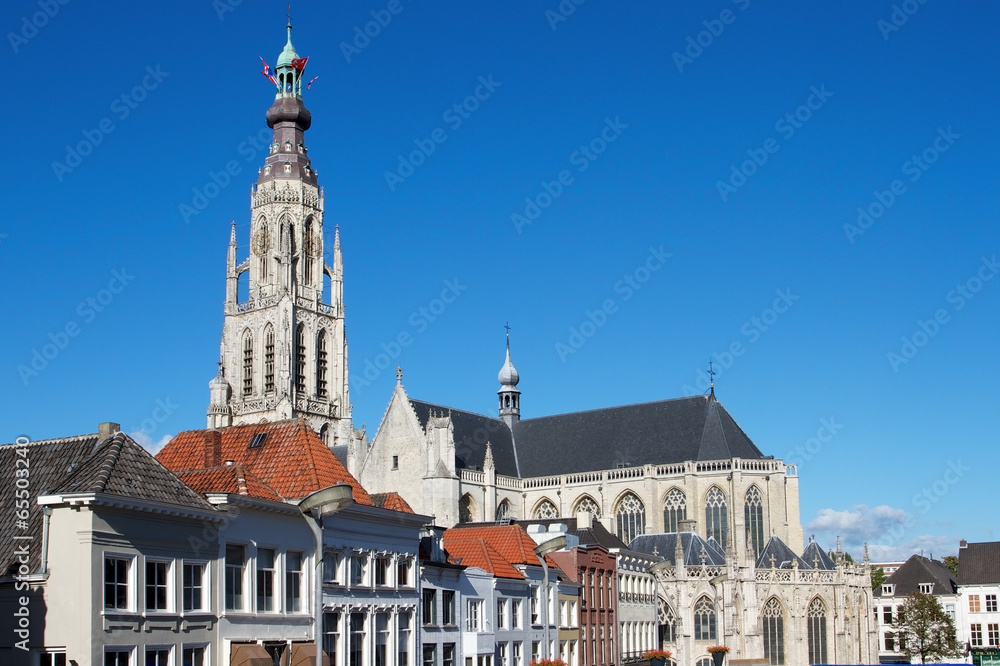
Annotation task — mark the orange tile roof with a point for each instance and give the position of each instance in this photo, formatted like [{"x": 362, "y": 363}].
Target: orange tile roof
[
  {"x": 292, "y": 462},
  {"x": 232, "y": 479},
  {"x": 391, "y": 500},
  {"x": 479, "y": 553},
  {"x": 510, "y": 542}
]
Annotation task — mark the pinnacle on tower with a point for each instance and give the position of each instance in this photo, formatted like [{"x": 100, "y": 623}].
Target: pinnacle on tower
[{"x": 510, "y": 397}]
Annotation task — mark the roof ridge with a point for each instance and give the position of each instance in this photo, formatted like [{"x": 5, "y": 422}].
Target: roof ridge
[{"x": 111, "y": 456}]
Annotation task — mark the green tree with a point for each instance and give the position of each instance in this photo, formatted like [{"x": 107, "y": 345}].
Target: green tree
[
  {"x": 923, "y": 629},
  {"x": 951, "y": 562},
  {"x": 878, "y": 577}
]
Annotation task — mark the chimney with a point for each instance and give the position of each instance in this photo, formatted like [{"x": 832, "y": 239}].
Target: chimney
[
  {"x": 105, "y": 430},
  {"x": 963, "y": 544},
  {"x": 584, "y": 520},
  {"x": 687, "y": 525},
  {"x": 213, "y": 448}
]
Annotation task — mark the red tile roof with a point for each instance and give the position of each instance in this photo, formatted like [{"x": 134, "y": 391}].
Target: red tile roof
[
  {"x": 292, "y": 462},
  {"x": 510, "y": 543},
  {"x": 232, "y": 479},
  {"x": 479, "y": 553},
  {"x": 391, "y": 500}
]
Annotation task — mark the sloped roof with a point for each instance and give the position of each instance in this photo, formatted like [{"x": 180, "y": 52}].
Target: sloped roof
[
  {"x": 782, "y": 554},
  {"x": 232, "y": 479},
  {"x": 292, "y": 460},
  {"x": 817, "y": 558},
  {"x": 115, "y": 465},
  {"x": 392, "y": 501},
  {"x": 472, "y": 432},
  {"x": 663, "y": 546},
  {"x": 918, "y": 570},
  {"x": 979, "y": 563},
  {"x": 663, "y": 432},
  {"x": 478, "y": 552},
  {"x": 510, "y": 541}
]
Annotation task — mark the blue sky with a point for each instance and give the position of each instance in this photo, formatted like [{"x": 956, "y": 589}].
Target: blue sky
[{"x": 738, "y": 138}]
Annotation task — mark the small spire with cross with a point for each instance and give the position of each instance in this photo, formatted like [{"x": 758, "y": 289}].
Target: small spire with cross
[
  {"x": 289, "y": 15},
  {"x": 399, "y": 374},
  {"x": 711, "y": 377},
  {"x": 507, "y": 327}
]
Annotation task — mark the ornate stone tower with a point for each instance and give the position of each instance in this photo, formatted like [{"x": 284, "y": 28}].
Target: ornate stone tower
[
  {"x": 510, "y": 397},
  {"x": 284, "y": 352}
]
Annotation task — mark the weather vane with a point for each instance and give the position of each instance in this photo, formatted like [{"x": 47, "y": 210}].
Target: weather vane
[{"x": 711, "y": 377}]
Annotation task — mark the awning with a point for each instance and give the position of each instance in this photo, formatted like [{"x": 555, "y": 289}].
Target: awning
[
  {"x": 304, "y": 654},
  {"x": 249, "y": 654}
]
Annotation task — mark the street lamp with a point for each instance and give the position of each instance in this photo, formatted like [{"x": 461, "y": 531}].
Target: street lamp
[
  {"x": 655, "y": 570},
  {"x": 541, "y": 550},
  {"x": 314, "y": 506},
  {"x": 714, "y": 582}
]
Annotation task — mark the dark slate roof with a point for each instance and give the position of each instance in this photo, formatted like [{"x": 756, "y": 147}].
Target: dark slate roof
[
  {"x": 663, "y": 546},
  {"x": 917, "y": 570},
  {"x": 979, "y": 563},
  {"x": 472, "y": 432},
  {"x": 340, "y": 453},
  {"x": 115, "y": 466},
  {"x": 814, "y": 553},
  {"x": 664, "y": 432},
  {"x": 783, "y": 556},
  {"x": 597, "y": 534}
]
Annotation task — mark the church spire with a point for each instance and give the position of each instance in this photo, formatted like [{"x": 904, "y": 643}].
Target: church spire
[{"x": 510, "y": 397}]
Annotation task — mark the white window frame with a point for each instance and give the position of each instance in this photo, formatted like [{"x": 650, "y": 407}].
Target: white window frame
[
  {"x": 169, "y": 649},
  {"x": 169, "y": 592},
  {"x": 206, "y": 586},
  {"x": 130, "y": 583},
  {"x": 245, "y": 590},
  {"x": 276, "y": 587},
  {"x": 207, "y": 647},
  {"x": 130, "y": 649},
  {"x": 336, "y": 560},
  {"x": 474, "y": 615},
  {"x": 516, "y": 612},
  {"x": 502, "y": 603}
]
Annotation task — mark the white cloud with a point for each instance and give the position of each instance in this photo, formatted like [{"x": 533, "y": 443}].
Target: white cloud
[
  {"x": 860, "y": 523},
  {"x": 143, "y": 439},
  {"x": 886, "y": 530}
]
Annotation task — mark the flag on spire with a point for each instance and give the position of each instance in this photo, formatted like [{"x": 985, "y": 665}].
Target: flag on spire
[
  {"x": 309, "y": 85},
  {"x": 267, "y": 71},
  {"x": 299, "y": 63}
]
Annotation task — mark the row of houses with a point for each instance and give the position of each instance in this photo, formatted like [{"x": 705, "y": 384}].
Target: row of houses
[
  {"x": 217, "y": 550},
  {"x": 970, "y": 599}
]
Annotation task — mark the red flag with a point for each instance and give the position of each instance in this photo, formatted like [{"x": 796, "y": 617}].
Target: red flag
[
  {"x": 299, "y": 63},
  {"x": 309, "y": 85},
  {"x": 267, "y": 72}
]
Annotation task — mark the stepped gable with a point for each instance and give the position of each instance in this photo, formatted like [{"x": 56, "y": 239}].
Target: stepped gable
[
  {"x": 918, "y": 570},
  {"x": 471, "y": 433},
  {"x": 817, "y": 558},
  {"x": 85, "y": 464},
  {"x": 290, "y": 458},
  {"x": 979, "y": 563},
  {"x": 783, "y": 556},
  {"x": 665, "y": 545},
  {"x": 391, "y": 501},
  {"x": 655, "y": 433}
]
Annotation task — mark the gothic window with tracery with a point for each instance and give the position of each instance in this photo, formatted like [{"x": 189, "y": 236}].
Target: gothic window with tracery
[
  {"x": 269, "y": 359},
  {"x": 715, "y": 516},
  {"x": 674, "y": 510},
  {"x": 321, "y": 364},
  {"x": 503, "y": 510},
  {"x": 247, "y": 363},
  {"x": 816, "y": 629},
  {"x": 774, "y": 632},
  {"x": 667, "y": 624},
  {"x": 590, "y": 506},
  {"x": 300, "y": 359},
  {"x": 631, "y": 518},
  {"x": 753, "y": 513},
  {"x": 546, "y": 510},
  {"x": 704, "y": 620},
  {"x": 307, "y": 242}
]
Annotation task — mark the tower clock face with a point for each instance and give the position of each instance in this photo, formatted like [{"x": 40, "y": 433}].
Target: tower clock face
[{"x": 260, "y": 241}]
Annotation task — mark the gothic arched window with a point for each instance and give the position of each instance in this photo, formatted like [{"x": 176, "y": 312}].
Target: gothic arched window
[
  {"x": 667, "y": 623},
  {"x": 715, "y": 516},
  {"x": 589, "y": 505},
  {"x": 816, "y": 625},
  {"x": 503, "y": 510},
  {"x": 704, "y": 661},
  {"x": 704, "y": 620},
  {"x": 466, "y": 509},
  {"x": 268, "y": 359},
  {"x": 774, "y": 632},
  {"x": 247, "y": 363},
  {"x": 753, "y": 513},
  {"x": 631, "y": 518},
  {"x": 300, "y": 358},
  {"x": 546, "y": 509},
  {"x": 307, "y": 245},
  {"x": 674, "y": 510},
  {"x": 321, "y": 364}
]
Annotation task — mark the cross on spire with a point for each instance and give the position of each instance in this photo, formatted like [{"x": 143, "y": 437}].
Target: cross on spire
[
  {"x": 399, "y": 373},
  {"x": 289, "y": 14},
  {"x": 711, "y": 376}
]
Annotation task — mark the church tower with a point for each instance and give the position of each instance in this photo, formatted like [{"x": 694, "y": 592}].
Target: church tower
[
  {"x": 284, "y": 352},
  {"x": 510, "y": 397}
]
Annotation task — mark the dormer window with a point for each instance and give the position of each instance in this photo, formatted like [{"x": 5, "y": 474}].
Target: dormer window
[
  {"x": 888, "y": 590},
  {"x": 267, "y": 170},
  {"x": 288, "y": 167},
  {"x": 927, "y": 588},
  {"x": 302, "y": 148},
  {"x": 274, "y": 147},
  {"x": 288, "y": 146},
  {"x": 307, "y": 170}
]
